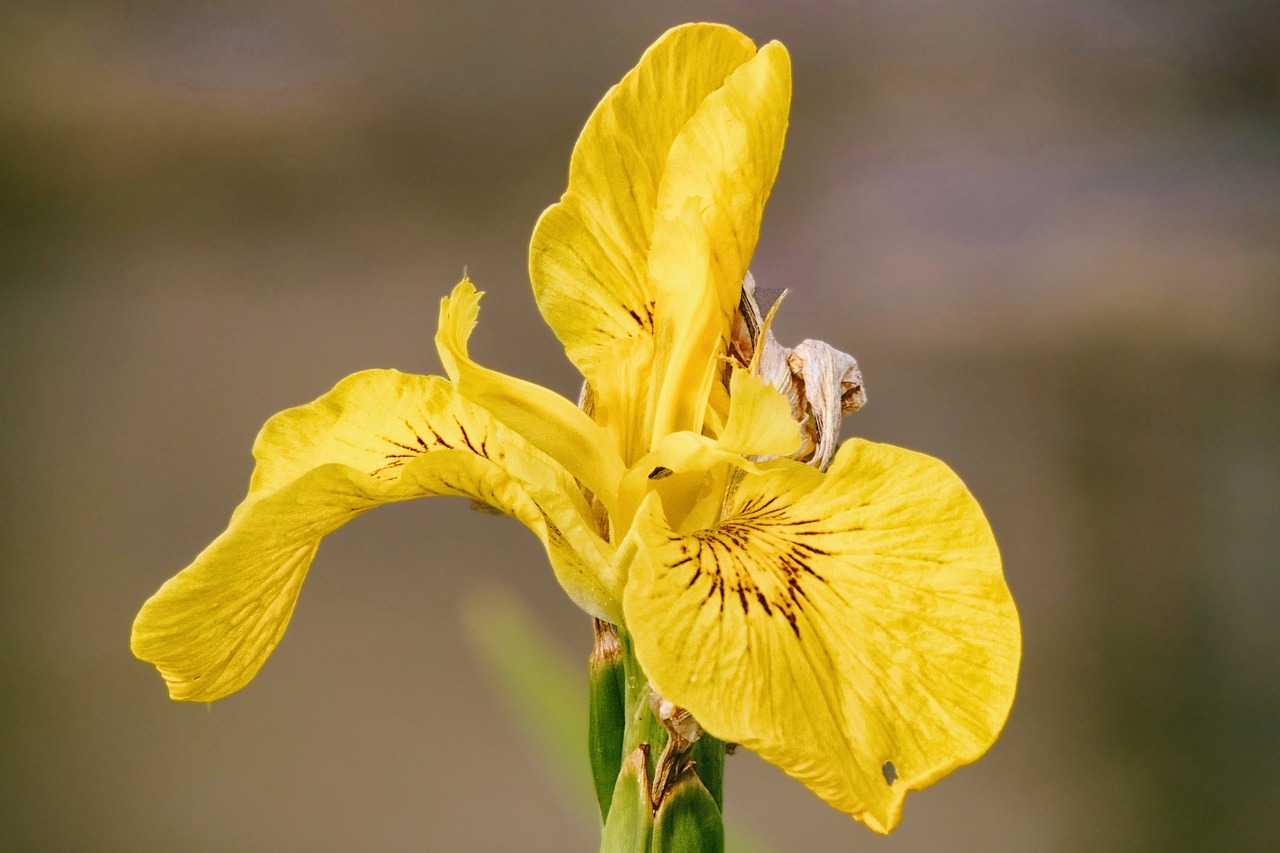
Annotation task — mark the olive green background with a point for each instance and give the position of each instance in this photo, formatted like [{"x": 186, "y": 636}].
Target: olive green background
[{"x": 1049, "y": 231}]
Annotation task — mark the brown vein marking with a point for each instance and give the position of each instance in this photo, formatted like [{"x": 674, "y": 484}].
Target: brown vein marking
[
  {"x": 413, "y": 429},
  {"x": 466, "y": 439},
  {"x": 399, "y": 463},
  {"x": 697, "y": 573},
  {"x": 810, "y": 549},
  {"x": 439, "y": 439},
  {"x": 754, "y": 507},
  {"x": 791, "y": 620},
  {"x": 717, "y": 576},
  {"x": 758, "y": 525},
  {"x": 392, "y": 461}
]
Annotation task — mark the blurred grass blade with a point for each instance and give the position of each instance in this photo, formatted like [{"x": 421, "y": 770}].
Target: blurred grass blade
[
  {"x": 738, "y": 841},
  {"x": 542, "y": 692}
]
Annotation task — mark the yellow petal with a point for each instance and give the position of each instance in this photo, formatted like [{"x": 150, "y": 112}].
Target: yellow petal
[
  {"x": 690, "y": 473},
  {"x": 548, "y": 421},
  {"x": 760, "y": 422},
  {"x": 852, "y": 627},
  {"x": 588, "y": 259},
  {"x": 378, "y": 437},
  {"x": 719, "y": 174},
  {"x": 690, "y": 328},
  {"x": 726, "y": 158},
  {"x": 588, "y": 256},
  {"x": 620, "y": 385}
]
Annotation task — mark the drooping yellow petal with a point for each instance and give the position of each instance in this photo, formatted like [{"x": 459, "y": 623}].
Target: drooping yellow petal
[
  {"x": 378, "y": 437},
  {"x": 548, "y": 421},
  {"x": 852, "y": 627}
]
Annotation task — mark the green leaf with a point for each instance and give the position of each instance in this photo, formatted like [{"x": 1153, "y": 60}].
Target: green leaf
[
  {"x": 688, "y": 821},
  {"x": 608, "y": 714},
  {"x": 629, "y": 827}
]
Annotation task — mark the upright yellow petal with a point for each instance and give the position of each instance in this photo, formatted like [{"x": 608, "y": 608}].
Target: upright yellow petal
[
  {"x": 620, "y": 387},
  {"x": 588, "y": 256},
  {"x": 588, "y": 259},
  {"x": 852, "y": 627},
  {"x": 726, "y": 158},
  {"x": 719, "y": 175},
  {"x": 378, "y": 437},
  {"x": 690, "y": 329},
  {"x": 760, "y": 420}
]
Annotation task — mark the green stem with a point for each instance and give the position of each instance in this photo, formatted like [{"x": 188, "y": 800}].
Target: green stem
[
  {"x": 608, "y": 713},
  {"x": 668, "y": 793}
]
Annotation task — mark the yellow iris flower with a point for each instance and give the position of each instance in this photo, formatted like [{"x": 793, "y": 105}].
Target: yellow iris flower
[{"x": 850, "y": 625}]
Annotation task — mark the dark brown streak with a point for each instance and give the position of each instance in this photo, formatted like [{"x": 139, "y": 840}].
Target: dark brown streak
[
  {"x": 466, "y": 439},
  {"x": 809, "y": 570},
  {"x": 412, "y": 450},
  {"x": 439, "y": 439},
  {"x": 767, "y": 504},
  {"x": 413, "y": 429},
  {"x": 717, "y": 580},
  {"x": 810, "y": 549},
  {"x": 825, "y": 532},
  {"x": 791, "y": 620},
  {"x": 795, "y": 589},
  {"x": 736, "y": 533}
]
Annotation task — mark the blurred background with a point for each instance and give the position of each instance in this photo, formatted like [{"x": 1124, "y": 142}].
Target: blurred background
[{"x": 1048, "y": 230}]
